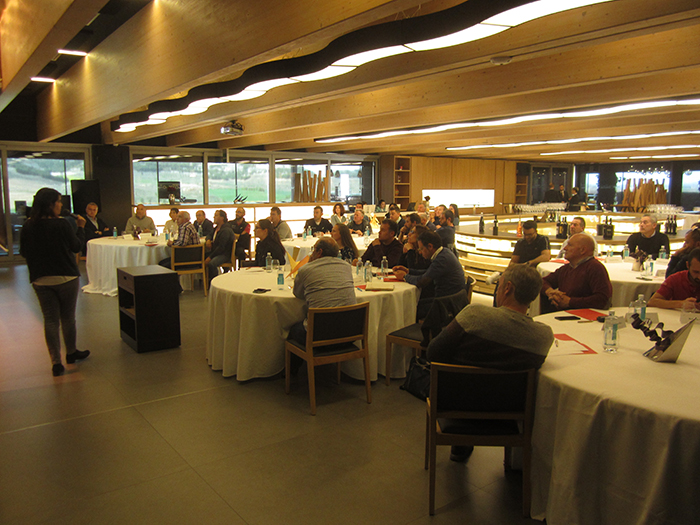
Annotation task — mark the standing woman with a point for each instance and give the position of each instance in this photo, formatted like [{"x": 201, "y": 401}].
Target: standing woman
[
  {"x": 338, "y": 216},
  {"x": 269, "y": 243},
  {"x": 343, "y": 238},
  {"x": 49, "y": 245}
]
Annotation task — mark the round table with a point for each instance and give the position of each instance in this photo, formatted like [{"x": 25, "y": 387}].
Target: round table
[
  {"x": 626, "y": 283},
  {"x": 306, "y": 246},
  {"x": 246, "y": 331},
  {"x": 616, "y": 436},
  {"x": 104, "y": 256}
]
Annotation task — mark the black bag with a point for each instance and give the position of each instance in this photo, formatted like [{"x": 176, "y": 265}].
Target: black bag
[{"x": 417, "y": 380}]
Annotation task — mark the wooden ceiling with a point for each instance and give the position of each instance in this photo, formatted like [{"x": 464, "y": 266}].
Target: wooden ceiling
[{"x": 619, "y": 52}]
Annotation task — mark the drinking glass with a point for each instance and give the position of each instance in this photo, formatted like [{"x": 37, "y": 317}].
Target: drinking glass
[{"x": 275, "y": 265}]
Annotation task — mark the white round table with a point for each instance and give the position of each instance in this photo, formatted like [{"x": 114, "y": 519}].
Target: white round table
[
  {"x": 246, "y": 331},
  {"x": 104, "y": 256},
  {"x": 626, "y": 283},
  {"x": 306, "y": 246},
  {"x": 616, "y": 436}
]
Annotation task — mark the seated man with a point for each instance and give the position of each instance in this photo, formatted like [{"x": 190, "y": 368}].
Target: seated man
[
  {"x": 171, "y": 226},
  {"x": 221, "y": 245},
  {"x": 324, "y": 282},
  {"x": 202, "y": 222},
  {"x": 359, "y": 223},
  {"x": 281, "y": 227},
  {"x": 681, "y": 289},
  {"x": 425, "y": 221},
  {"x": 533, "y": 248},
  {"x": 447, "y": 229},
  {"x": 583, "y": 283},
  {"x": 411, "y": 256},
  {"x": 95, "y": 228},
  {"x": 395, "y": 215},
  {"x": 410, "y": 222},
  {"x": 241, "y": 228},
  {"x": 445, "y": 271},
  {"x": 385, "y": 245},
  {"x": 647, "y": 238},
  {"x": 679, "y": 260},
  {"x": 186, "y": 235},
  {"x": 318, "y": 224},
  {"x": 141, "y": 221},
  {"x": 577, "y": 225}
]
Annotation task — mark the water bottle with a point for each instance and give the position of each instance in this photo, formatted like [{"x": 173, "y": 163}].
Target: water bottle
[
  {"x": 368, "y": 272},
  {"x": 610, "y": 253},
  {"x": 640, "y": 307},
  {"x": 384, "y": 267},
  {"x": 610, "y": 339},
  {"x": 625, "y": 252},
  {"x": 268, "y": 263},
  {"x": 367, "y": 237},
  {"x": 114, "y": 232},
  {"x": 280, "y": 278},
  {"x": 662, "y": 253},
  {"x": 167, "y": 235},
  {"x": 200, "y": 232}
]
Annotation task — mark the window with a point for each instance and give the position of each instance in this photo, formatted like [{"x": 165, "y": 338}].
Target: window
[
  {"x": 690, "y": 197},
  {"x": 186, "y": 169},
  {"x": 246, "y": 178},
  {"x": 290, "y": 175},
  {"x": 352, "y": 181}
]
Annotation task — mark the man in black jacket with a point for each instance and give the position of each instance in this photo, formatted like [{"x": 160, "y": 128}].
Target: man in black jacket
[
  {"x": 221, "y": 245},
  {"x": 95, "y": 228}
]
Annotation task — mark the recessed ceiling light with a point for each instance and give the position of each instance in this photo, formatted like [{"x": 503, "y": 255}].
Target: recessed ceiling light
[{"x": 44, "y": 79}]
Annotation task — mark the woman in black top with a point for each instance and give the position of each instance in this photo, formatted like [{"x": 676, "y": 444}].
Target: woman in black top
[
  {"x": 343, "y": 238},
  {"x": 269, "y": 243},
  {"x": 49, "y": 245}
]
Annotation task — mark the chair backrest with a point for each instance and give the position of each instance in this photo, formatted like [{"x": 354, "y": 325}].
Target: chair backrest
[
  {"x": 458, "y": 391},
  {"x": 342, "y": 324},
  {"x": 442, "y": 312},
  {"x": 187, "y": 256},
  {"x": 233, "y": 247}
]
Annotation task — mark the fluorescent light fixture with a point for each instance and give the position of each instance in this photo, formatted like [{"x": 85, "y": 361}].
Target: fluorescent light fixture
[
  {"x": 44, "y": 79},
  {"x": 246, "y": 94},
  {"x": 657, "y": 157},
  {"x": 476, "y": 32},
  {"x": 72, "y": 52},
  {"x": 270, "y": 84},
  {"x": 329, "y": 72},
  {"x": 526, "y": 13},
  {"x": 620, "y": 150},
  {"x": 370, "y": 56}
]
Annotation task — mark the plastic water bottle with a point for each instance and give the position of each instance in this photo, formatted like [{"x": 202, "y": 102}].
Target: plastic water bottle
[
  {"x": 610, "y": 337},
  {"x": 640, "y": 307},
  {"x": 384, "y": 267},
  {"x": 368, "y": 272},
  {"x": 367, "y": 237},
  {"x": 625, "y": 252},
  {"x": 280, "y": 278},
  {"x": 303, "y": 234},
  {"x": 200, "y": 232},
  {"x": 268, "y": 263},
  {"x": 114, "y": 232},
  {"x": 662, "y": 253}
]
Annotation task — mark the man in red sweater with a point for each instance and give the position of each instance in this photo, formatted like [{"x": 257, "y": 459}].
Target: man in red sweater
[{"x": 583, "y": 283}]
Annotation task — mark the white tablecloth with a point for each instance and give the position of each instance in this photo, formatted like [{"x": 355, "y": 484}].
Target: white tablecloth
[
  {"x": 625, "y": 282},
  {"x": 247, "y": 331},
  {"x": 305, "y": 246},
  {"x": 617, "y": 436},
  {"x": 104, "y": 256}
]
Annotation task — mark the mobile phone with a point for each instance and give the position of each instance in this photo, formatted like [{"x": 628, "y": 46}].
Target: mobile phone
[
  {"x": 567, "y": 318},
  {"x": 261, "y": 290}
]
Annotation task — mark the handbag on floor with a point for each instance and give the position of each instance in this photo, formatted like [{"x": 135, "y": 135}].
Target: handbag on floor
[{"x": 417, "y": 380}]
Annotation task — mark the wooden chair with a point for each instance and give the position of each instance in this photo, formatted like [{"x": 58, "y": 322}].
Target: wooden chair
[
  {"x": 232, "y": 264},
  {"x": 418, "y": 335},
  {"x": 189, "y": 260},
  {"x": 331, "y": 337},
  {"x": 471, "y": 406}
]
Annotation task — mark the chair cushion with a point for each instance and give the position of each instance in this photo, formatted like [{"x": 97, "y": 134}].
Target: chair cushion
[
  {"x": 479, "y": 427},
  {"x": 412, "y": 331},
  {"x": 341, "y": 348}
]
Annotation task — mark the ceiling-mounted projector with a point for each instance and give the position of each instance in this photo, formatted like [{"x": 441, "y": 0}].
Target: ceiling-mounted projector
[{"x": 233, "y": 128}]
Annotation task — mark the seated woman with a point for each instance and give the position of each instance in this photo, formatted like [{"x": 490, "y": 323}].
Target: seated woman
[
  {"x": 381, "y": 207},
  {"x": 338, "y": 216},
  {"x": 269, "y": 243},
  {"x": 341, "y": 235},
  {"x": 455, "y": 209},
  {"x": 359, "y": 223}
]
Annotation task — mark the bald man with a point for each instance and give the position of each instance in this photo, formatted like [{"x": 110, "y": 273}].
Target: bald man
[{"x": 583, "y": 283}]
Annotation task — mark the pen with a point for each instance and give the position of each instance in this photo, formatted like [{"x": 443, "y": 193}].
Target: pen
[{"x": 359, "y": 288}]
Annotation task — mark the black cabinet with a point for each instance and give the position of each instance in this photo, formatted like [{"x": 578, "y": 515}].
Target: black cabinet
[{"x": 149, "y": 307}]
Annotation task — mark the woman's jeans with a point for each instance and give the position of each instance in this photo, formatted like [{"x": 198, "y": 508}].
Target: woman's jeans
[{"x": 58, "y": 306}]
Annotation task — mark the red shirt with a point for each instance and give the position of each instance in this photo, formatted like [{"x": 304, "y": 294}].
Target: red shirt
[{"x": 678, "y": 288}]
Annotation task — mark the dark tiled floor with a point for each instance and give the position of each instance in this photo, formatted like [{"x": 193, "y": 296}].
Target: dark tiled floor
[{"x": 160, "y": 438}]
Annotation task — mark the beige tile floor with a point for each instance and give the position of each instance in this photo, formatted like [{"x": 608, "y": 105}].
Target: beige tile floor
[{"x": 160, "y": 438}]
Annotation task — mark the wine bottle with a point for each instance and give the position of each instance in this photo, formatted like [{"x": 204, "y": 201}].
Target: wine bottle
[
  {"x": 482, "y": 226},
  {"x": 495, "y": 225}
]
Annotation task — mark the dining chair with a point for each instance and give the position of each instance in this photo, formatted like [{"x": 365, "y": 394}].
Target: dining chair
[
  {"x": 418, "y": 335},
  {"x": 332, "y": 337},
  {"x": 232, "y": 263},
  {"x": 472, "y": 406},
  {"x": 189, "y": 260}
]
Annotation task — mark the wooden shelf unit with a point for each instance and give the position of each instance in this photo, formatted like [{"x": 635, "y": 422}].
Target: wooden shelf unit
[{"x": 402, "y": 181}]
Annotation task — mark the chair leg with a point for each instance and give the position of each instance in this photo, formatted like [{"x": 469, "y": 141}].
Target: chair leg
[
  {"x": 205, "y": 280},
  {"x": 387, "y": 363},
  {"x": 427, "y": 439},
  {"x": 527, "y": 487},
  {"x": 432, "y": 467},
  {"x": 287, "y": 361},
  {"x": 312, "y": 386},
  {"x": 368, "y": 385}
]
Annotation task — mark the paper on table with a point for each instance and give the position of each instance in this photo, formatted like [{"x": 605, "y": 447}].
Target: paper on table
[{"x": 567, "y": 345}]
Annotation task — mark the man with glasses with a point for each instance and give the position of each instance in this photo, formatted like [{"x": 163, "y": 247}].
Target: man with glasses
[{"x": 647, "y": 239}]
